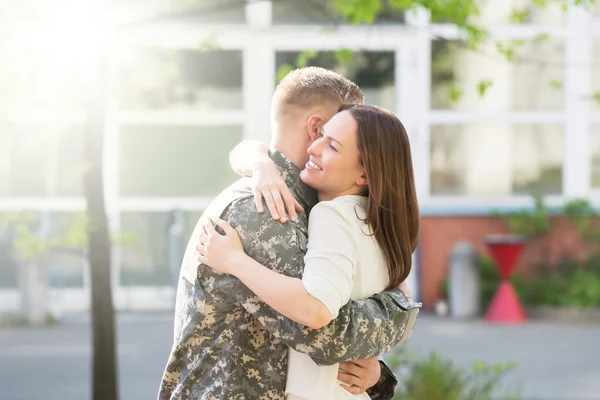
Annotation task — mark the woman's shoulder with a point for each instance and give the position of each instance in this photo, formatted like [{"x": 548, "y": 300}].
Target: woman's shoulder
[{"x": 350, "y": 209}]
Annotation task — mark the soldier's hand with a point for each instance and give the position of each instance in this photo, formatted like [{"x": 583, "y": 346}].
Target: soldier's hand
[
  {"x": 219, "y": 252},
  {"x": 359, "y": 375}
]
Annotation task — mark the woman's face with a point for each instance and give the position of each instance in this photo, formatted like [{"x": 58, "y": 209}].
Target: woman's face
[{"x": 334, "y": 167}]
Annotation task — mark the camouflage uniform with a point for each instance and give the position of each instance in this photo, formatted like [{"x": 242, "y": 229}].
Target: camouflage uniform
[{"x": 228, "y": 344}]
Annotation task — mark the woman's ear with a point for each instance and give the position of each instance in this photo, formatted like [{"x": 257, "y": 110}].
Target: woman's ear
[
  {"x": 362, "y": 180},
  {"x": 314, "y": 127}
]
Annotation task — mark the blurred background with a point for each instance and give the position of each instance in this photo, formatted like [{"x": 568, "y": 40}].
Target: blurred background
[{"x": 501, "y": 99}]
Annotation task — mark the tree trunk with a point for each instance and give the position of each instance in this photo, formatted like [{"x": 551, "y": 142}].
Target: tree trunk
[
  {"x": 104, "y": 379},
  {"x": 34, "y": 291}
]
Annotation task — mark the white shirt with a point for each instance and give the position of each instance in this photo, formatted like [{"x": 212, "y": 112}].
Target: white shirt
[{"x": 343, "y": 261}]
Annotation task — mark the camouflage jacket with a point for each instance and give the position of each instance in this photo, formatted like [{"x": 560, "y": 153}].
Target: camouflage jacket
[{"x": 228, "y": 344}]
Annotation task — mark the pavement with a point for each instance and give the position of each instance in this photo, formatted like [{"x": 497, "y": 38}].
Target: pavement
[{"x": 554, "y": 361}]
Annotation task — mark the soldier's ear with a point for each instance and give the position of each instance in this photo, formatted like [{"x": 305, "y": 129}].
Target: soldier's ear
[{"x": 314, "y": 127}]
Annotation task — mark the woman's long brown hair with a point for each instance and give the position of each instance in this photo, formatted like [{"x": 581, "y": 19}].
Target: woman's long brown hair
[{"x": 392, "y": 208}]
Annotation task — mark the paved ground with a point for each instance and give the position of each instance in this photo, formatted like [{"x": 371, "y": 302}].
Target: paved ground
[{"x": 554, "y": 361}]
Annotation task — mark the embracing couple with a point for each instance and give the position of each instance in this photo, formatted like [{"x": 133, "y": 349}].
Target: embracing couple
[{"x": 298, "y": 302}]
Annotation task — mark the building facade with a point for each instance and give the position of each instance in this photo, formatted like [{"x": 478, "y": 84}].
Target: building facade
[{"x": 184, "y": 88}]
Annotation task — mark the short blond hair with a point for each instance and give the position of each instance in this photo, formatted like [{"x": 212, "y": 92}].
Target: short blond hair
[{"x": 304, "y": 87}]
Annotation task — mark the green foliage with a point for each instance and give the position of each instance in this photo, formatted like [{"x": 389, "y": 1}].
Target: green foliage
[
  {"x": 436, "y": 378},
  {"x": 584, "y": 218},
  {"x": 209, "y": 43},
  {"x": 30, "y": 246},
  {"x": 556, "y": 84},
  {"x": 570, "y": 283},
  {"x": 283, "y": 71},
  {"x": 344, "y": 56},
  {"x": 305, "y": 57},
  {"x": 483, "y": 86},
  {"x": 518, "y": 16},
  {"x": 454, "y": 95},
  {"x": 534, "y": 222},
  {"x": 509, "y": 49},
  {"x": 596, "y": 98},
  {"x": 359, "y": 11}
]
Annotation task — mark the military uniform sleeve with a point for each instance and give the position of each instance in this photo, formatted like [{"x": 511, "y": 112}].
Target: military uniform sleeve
[
  {"x": 386, "y": 386},
  {"x": 363, "y": 328}
]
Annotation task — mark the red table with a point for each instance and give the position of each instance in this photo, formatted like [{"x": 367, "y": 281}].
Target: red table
[{"x": 505, "y": 306}]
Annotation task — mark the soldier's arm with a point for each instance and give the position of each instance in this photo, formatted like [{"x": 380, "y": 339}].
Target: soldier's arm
[{"x": 363, "y": 328}]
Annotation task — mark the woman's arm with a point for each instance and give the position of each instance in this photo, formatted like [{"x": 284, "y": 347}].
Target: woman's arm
[
  {"x": 251, "y": 158},
  {"x": 248, "y": 156},
  {"x": 287, "y": 295}
]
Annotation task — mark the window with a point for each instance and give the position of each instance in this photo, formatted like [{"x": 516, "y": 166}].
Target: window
[
  {"x": 63, "y": 259},
  {"x": 41, "y": 160},
  {"x": 206, "y": 11},
  {"x": 9, "y": 263},
  {"x": 595, "y": 71},
  {"x": 65, "y": 266},
  {"x": 496, "y": 160},
  {"x": 154, "y": 259},
  {"x": 322, "y": 12},
  {"x": 176, "y": 160},
  {"x": 159, "y": 79},
  {"x": 550, "y": 14},
  {"x": 595, "y": 155},
  {"x": 533, "y": 81},
  {"x": 372, "y": 71}
]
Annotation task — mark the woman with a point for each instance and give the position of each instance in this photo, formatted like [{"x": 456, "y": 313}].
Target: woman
[{"x": 361, "y": 234}]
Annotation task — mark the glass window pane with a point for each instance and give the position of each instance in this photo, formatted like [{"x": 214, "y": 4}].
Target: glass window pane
[
  {"x": 595, "y": 155},
  {"x": 154, "y": 259},
  {"x": 41, "y": 160},
  {"x": 551, "y": 14},
  {"x": 211, "y": 11},
  {"x": 176, "y": 160},
  {"x": 323, "y": 12},
  {"x": 595, "y": 71},
  {"x": 180, "y": 79},
  {"x": 532, "y": 81},
  {"x": 372, "y": 71},
  {"x": 65, "y": 267},
  {"x": 496, "y": 160},
  {"x": 38, "y": 76},
  {"x": 59, "y": 232},
  {"x": 9, "y": 263}
]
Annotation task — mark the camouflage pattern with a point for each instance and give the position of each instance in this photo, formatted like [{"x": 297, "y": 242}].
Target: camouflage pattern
[{"x": 228, "y": 344}]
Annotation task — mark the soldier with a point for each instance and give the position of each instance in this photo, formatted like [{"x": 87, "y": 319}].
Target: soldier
[{"x": 228, "y": 344}]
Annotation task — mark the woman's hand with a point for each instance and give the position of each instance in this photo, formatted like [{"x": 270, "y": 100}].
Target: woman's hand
[
  {"x": 267, "y": 183},
  {"x": 223, "y": 253}
]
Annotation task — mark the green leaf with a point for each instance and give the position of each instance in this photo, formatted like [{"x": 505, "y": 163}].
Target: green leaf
[
  {"x": 344, "y": 56},
  {"x": 209, "y": 43},
  {"x": 540, "y": 3},
  {"x": 596, "y": 98},
  {"x": 483, "y": 86},
  {"x": 541, "y": 38},
  {"x": 475, "y": 36},
  {"x": 283, "y": 71},
  {"x": 554, "y": 84},
  {"x": 359, "y": 11},
  {"x": 454, "y": 95},
  {"x": 305, "y": 57},
  {"x": 518, "y": 16},
  {"x": 509, "y": 49}
]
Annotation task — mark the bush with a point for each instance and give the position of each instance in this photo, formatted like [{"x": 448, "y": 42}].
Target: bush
[
  {"x": 436, "y": 378},
  {"x": 568, "y": 284}
]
